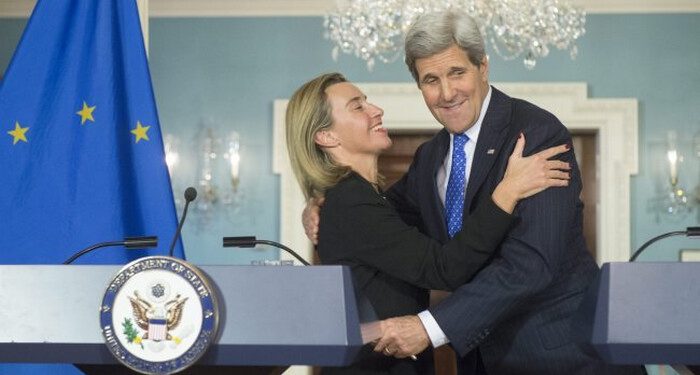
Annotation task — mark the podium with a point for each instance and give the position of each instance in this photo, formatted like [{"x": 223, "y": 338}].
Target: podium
[
  {"x": 645, "y": 313},
  {"x": 270, "y": 316}
]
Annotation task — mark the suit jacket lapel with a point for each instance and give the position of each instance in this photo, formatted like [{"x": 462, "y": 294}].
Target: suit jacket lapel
[{"x": 489, "y": 144}]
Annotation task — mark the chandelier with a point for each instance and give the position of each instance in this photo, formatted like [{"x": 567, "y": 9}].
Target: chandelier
[{"x": 374, "y": 29}]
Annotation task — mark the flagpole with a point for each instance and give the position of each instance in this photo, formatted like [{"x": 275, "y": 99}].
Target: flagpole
[{"x": 143, "y": 17}]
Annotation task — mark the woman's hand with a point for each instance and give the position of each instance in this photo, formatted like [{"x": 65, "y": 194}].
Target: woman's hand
[
  {"x": 310, "y": 217},
  {"x": 527, "y": 176}
]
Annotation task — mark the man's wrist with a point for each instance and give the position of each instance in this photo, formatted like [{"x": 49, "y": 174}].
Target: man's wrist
[{"x": 435, "y": 333}]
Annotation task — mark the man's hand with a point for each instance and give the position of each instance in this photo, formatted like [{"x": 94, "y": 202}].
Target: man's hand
[
  {"x": 311, "y": 217},
  {"x": 402, "y": 337}
]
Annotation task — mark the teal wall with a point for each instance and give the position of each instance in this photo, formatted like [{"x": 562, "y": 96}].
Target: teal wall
[
  {"x": 228, "y": 71},
  {"x": 233, "y": 69}
]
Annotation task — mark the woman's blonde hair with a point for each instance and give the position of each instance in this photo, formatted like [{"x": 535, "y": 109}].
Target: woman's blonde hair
[{"x": 309, "y": 112}]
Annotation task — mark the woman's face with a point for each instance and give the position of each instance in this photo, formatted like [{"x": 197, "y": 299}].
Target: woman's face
[{"x": 357, "y": 124}]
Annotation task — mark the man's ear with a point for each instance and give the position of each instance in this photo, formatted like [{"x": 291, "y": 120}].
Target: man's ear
[
  {"x": 325, "y": 138},
  {"x": 484, "y": 69}
]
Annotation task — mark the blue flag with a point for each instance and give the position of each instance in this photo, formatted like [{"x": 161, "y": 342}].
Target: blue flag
[{"x": 81, "y": 153}]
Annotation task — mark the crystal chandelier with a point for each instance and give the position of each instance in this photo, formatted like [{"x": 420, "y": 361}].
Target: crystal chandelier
[{"x": 374, "y": 29}]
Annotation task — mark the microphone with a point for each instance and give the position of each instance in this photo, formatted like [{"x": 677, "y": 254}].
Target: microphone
[
  {"x": 693, "y": 232},
  {"x": 141, "y": 242},
  {"x": 250, "y": 241},
  {"x": 190, "y": 195}
]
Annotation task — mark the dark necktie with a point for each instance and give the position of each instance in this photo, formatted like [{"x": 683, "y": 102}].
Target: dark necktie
[{"x": 454, "y": 196}]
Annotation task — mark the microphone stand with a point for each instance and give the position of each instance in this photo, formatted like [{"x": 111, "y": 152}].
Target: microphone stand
[
  {"x": 250, "y": 241},
  {"x": 190, "y": 195},
  {"x": 690, "y": 232},
  {"x": 128, "y": 242}
]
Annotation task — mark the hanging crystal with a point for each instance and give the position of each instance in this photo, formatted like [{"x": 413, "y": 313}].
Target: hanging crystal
[{"x": 374, "y": 29}]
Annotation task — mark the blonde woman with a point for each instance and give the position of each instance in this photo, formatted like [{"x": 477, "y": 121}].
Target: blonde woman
[{"x": 334, "y": 139}]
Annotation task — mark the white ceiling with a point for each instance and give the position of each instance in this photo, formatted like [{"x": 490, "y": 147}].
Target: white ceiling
[{"x": 244, "y": 8}]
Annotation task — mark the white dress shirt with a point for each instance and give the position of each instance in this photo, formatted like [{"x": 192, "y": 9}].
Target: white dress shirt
[{"x": 437, "y": 336}]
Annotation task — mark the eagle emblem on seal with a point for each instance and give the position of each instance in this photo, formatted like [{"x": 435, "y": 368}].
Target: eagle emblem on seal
[{"x": 155, "y": 318}]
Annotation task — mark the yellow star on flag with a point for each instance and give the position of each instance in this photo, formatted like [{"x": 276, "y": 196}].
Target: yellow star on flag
[
  {"x": 86, "y": 113},
  {"x": 19, "y": 134},
  {"x": 140, "y": 131}
]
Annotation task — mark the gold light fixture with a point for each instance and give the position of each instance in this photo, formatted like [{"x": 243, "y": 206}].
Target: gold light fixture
[{"x": 216, "y": 164}]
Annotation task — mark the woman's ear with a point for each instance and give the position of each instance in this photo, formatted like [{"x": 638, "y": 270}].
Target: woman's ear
[{"x": 325, "y": 138}]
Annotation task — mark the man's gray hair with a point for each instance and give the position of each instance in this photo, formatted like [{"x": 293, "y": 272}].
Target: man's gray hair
[{"x": 434, "y": 32}]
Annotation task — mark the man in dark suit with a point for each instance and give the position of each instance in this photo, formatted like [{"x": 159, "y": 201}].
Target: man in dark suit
[{"x": 515, "y": 315}]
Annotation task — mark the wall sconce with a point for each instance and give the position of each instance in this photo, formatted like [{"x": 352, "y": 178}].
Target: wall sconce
[
  {"x": 674, "y": 201},
  {"x": 172, "y": 156},
  {"x": 677, "y": 203},
  {"x": 233, "y": 156},
  {"x": 215, "y": 166}
]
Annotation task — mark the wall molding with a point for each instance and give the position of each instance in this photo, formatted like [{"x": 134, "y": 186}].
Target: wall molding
[
  {"x": 301, "y": 8},
  {"x": 614, "y": 121}
]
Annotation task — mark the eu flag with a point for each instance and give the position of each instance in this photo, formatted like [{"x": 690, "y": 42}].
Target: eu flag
[{"x": 81, "y": 153}]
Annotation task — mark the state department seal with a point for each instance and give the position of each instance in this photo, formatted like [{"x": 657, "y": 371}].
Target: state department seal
[{"x": 158, "y": 315}]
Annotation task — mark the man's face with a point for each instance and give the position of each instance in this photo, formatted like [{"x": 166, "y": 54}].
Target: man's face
[{"x": 453, "y": 88}]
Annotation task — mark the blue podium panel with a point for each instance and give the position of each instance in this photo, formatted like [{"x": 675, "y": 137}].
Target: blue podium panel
[
  {"x": 647, "y": 313},
  {"x": 270, "y": 316}
]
